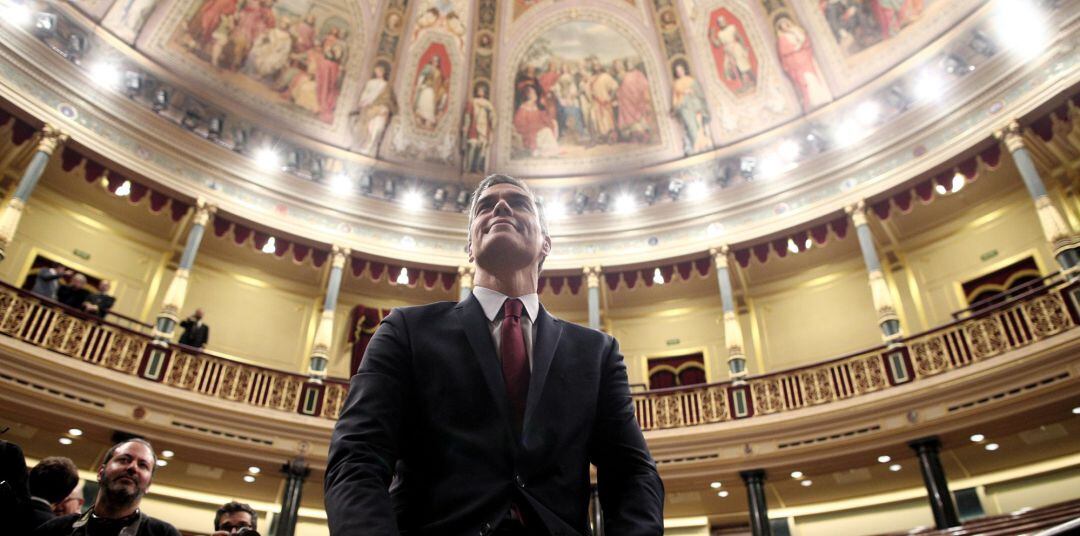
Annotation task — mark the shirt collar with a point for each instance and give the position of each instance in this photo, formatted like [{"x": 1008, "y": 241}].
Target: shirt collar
[{"x": 492, "y": 302}]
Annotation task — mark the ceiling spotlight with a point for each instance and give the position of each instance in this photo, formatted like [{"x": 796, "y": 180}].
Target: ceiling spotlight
[
  {"x": 956, "y": 65},
  {"x": 133, "y": 82},
  {"x": 74, "y": 432},
  {"x": 977, "y": 437},
  {"x": 897, "y": 99},
  {"x": 162, "y": 463},
  {"x": 884, "y": 459},
  {"x": 981, "y": 43},
  {"x": 316, "y": 165},
  {"x": 403, "y": 276},
  {"x": 580, "y": 202},
  {"x": 438, "y": 199},
  {"x": 215, "y": 126},
  {"x": 293, "y": 159},
  {"x": 45, "y": 23},
  {"x": 413, "y": 200},
  {"x": 249, "y": 479},
  {"x": 124, "y": 189},
  {"x": 792, "y": 246},
  {"x": 625, "y": 203},
  {"x": 650, "y": 193},
  {"x": 772, "y": 165},
  {"x": 674, "y": 188},
  {"x": 66, "y": 441},
  {"x": 555, "y": 211},
  {"x": 958, "y": 182},
  {"x": 727, "y": 173},
  {"x": 807, "y": 483},
  {"x": 161, "y": 100},
  {"x": 389, "y": 188},
  {"x": 796, "y": 474},
  {"x": 696, "y": 190},
  {"x": 992, "y": 446},
  {"x": 239, "y": 139},
  {"x": 76, "y": 45},
  {"x": 270, "y": 246},
  {"x": 365, "y": 183},
  {"x": 847, "y": 133},
  {"x": 895, "y": 467},
  {"x": 602, "y": 201},
  {"x": 105, "y": 74},
  {"x": 191, "y": 119},
  {"x": 167, "y": 453},
  {"x": 716, "y": 485},
  {"x": 816, "y": 140},
  {"x": 462, "y": 200},
  {"x": 254, "y": 470},
  {"x": 722, "y": 493},
  {"x": 928, "y": 86},
  {"x": 747, "y": 165},
  {"x": 1014, "y": 14},
  {"x": 714, "y": 229},
  {"x": 267, "y": 159},
  {"x": 658, "y": 277},
  {"x": 868, "y": 112},
  {"x": 789, "y": 150},
  {"x": 1076, "y": 410},
  {"x": 340, "y": 183},
  {"x": 809, "y": 244}
]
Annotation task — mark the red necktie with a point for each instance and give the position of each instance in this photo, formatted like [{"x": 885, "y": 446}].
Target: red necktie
[{"x": 515, "y": 362}]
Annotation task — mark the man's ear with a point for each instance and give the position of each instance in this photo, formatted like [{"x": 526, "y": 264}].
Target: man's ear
[
  {"x": 546, "y": 248},
  {"x": 468, "y": 251}
]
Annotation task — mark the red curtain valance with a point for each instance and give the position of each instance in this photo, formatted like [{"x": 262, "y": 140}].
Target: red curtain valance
[
  {"x": 926, "y": 191},
  {"x": 93, "y": 171}
]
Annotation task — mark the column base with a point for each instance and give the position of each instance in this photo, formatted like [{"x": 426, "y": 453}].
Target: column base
[{"x": 1068, "y": 258}]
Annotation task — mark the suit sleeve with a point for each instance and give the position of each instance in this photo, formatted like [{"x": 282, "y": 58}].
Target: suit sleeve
[
  {"x": 367, "y": 439},
  {"x": 631, "y": 492}
]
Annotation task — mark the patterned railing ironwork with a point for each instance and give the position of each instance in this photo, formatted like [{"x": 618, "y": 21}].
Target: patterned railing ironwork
[{"x": 1011, "y": 325}]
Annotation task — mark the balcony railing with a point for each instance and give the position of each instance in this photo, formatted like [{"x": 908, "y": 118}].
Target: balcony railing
[{"x": 1017, "y": 323}]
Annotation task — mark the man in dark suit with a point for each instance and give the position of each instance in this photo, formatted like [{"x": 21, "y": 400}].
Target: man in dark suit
[
  {"x": 196, "y": 333},
  {"x": 482, "y": 417}
]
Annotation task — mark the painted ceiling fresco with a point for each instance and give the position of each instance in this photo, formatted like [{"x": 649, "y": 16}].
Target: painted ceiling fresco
[{"x": 539, "y": 88}]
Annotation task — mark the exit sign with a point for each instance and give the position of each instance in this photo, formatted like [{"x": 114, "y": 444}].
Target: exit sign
[
  {"x": 673, "y": 342},
  {"x": 85, "y": 255},
  {"x": 989, "y": 255}
]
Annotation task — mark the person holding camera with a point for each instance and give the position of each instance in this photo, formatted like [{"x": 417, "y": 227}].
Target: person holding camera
[
  {"x": 235, "y": 519},
  {"x": 196, "y": 333}
]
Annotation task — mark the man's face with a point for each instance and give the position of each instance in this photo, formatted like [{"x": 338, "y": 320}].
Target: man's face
[
  {"x": 72, "y": 504},
  {"x": 505, "y": 232},
  {"x": 126, "y": 477},
  {"x": 233, "y": 521}
]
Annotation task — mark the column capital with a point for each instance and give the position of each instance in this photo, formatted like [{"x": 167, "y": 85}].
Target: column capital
[
  {"x": 51, "y": 138},
  {"x": 857, "y": 212},
  {"x": 1012, "y": 135},
  {"x": 203, "y": 211},
  {"x": 465, "y": 275},
  {"x": 720, "y": 255},
  {"x": 340, "y": 254},
  {"x": 592, "y": 276}
]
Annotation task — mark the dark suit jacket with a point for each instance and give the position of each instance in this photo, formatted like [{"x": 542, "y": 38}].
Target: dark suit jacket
[
  {"x": 428, "y": 410},
  {"x": 194, "y": 336}
]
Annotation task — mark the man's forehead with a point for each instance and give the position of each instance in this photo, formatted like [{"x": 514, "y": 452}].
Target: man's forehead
[
  {"x": 135, "y": 450},
  {"x": 504, "y": 189}
]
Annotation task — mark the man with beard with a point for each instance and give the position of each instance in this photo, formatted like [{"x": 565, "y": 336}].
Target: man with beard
[{"x": 124, "y": 477}]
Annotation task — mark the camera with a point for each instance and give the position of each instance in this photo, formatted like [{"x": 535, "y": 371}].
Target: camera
[{"x": 247, "y": 531}]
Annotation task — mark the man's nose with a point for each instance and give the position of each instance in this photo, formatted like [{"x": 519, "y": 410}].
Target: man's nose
[{"x": 502, "y": 208}]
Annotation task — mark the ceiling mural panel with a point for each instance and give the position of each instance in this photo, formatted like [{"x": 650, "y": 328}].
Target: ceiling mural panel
[
  {"x": 479, "y": 119},
  {"x": 795, "y": 48},
  {"x": 295, "y": 58},
  {"x": 521, "y": 6},
  {"x": 378, "y": 103},
  {"x": 126, "y": 18},
  {"x": 95, "y": 9},
  {"x": 582, "y": 91}
]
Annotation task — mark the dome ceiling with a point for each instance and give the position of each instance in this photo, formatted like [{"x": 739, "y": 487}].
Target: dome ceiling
[{"x": 456, "y": 88}]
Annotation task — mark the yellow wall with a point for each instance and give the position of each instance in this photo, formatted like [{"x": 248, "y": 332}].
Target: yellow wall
[
  {"x": 1033, "y": 492},
  {"x": 877, "y": 519}
]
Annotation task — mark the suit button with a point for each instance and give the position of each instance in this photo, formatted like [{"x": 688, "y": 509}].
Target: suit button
[
  {"x": 485, "y": 529},
  {"x": 520, "y": 481}
]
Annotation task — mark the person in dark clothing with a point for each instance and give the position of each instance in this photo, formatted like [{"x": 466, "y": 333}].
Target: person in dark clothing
[
  {"x": 124, "y": 477},
  {"x": 50, "y": 481},
  {"x": 14, "y": 494},
  {"x": 75, "y": 293},
  {"x": 99, "y": 302},
  {"x": 47, "y": 282},
  {"x": 196, "y": 333}
]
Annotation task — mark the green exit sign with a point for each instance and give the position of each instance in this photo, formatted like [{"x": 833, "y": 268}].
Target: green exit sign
[
  {"x": 85, "y": 255},
  {"x": 989, "y": 255},
  {"x": 673, "y": 342}
]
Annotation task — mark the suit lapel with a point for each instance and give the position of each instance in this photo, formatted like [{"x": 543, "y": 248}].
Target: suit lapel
[
  {"x": 475, "y": 324},
  {"x": 548, "y": 330}
]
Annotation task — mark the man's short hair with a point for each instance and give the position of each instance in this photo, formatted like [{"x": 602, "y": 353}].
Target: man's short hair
[
  {"x": 112, "y": 451},
  {"x": 232, "y": 507},
  {"x": 498, "y": 178},
  {"x": 53, "y": 479}
]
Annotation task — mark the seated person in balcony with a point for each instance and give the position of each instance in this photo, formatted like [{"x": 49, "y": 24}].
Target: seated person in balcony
[
  {"x": 99, "y": 302},
  {"x": 196, "y": 333},
  {"x": 233, "y": 517},
  {"x": 483, "y": 416},
  {"x": 74, "y": 293},
  {"x": 73, "y": 503},
  {"x": 124, "y": 477},
  {"x": 47, "y": 281},
  {"x": 50, "y": 481}
]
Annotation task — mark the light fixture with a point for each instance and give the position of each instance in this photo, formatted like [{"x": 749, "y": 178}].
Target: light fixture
[
  {"x": 270, "y": 246},
  {"x": 955, "y": 65},
  {"x": 981, "y": 43},
  {"x": 249, "y": 479},
  {"x": 747, "y": 167},
  {"x": 897, "y": 98},
  {"x": 45, "y": 23},
  {"x": 722, "y": 493},
  {"x": 17, "y": 14},
  {"x": 239, "y": 139},
  {"x": 716, "y": 485},
  {"x": 254, "y": 470},
  {"x": 789, "y": 150},
  {"x": 389, "y": 188},
  {"x": 658, "y": 277},
  {"x": 796, "y": 474},
  {"x": 1076, "y": 410},
  {"x": 268, "y": 159},
  {"x": 847, "y": 133},
  {"x": 674, "y": 188},
  {"x": 555, "y": 211},
  {"x": 133, "y": 82},
  {"x": 340, "y": 183},
  {"x": 74, "y": 432},
  {"x": 715, "y": 229},
  {"x": 650, "y": 193},
  {"x": 162, "y": 463},
  {"x": 941, "y": 189},
  {"x": 884, "y": 459},
  {"x": 602, "y": 200},
  {"x": 403, "y": 276},
  {"x": 807, "y": 483},
  {"x": 462, "y": 200},
  {"x": 928, "y": 85},
  {"x": 580, "y": 202},
  {"x": 66, "y": 441},
  {"x": 167, "y": 454},
  {"x": 215, "y": 126},
  {"x": 412, "y": 200},
  {"x": 792, "y": 246},
  {"x": 816, "y": 140},
  {"x": 809, "y": 244},
  {"x": 696, "y": 190},
  {"x": 316, "y": 165},
  {"x": 438, "y": 199},
  {"x": 771, "y": 166},
  {"x": 977, "y": 437},
  {"x": 191, "y": 119},
  {"x": 365, "y": 183},
  {"x": 105, "y": 74},
  {"x": 1013, "y": 14},
  {"x": 293, "y": 159},
  {"x": 895, "y": 467},
  {"x": 124, "y": 189},
  {"x": 958, "y": 182},
  {"x": 161, "y": 100},
  {"x": 868, "y": 112},
  {"x": 992, "y": 446},
  {"x": 625, "y": 203}
]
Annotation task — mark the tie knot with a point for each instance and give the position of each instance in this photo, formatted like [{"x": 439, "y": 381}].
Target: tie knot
[{"x": 512, "y": 308}]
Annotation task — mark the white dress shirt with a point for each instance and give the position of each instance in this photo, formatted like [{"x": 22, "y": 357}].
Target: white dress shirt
[{"x": 492, "y": 303}]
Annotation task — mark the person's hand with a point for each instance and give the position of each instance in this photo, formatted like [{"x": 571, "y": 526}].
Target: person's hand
[{"x": 90, "y": 307}]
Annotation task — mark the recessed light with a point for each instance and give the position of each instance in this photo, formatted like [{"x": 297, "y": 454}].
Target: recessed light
[
  {"x": 722, "y": 494},
  {"x": 796, "y": 474},
  {"x": 249, "y": 479},
  {"x": 167, "y": 454},
  {"x": 992, "y": 446},
  {"x": 807, "y": 483},
  {"x": 715, "y": 485},
  {"x": 254, "y": 470},
  {"x": 65, "y": 441},
  {"x": 1076, "y": 410},
  {"x": 884, "y": 459},
  {"x": 162, "y": 463},
  {"x": 894, "y": 467},
  {"x": 75, "y": 432},
  {"x": 977, "y": 437}
]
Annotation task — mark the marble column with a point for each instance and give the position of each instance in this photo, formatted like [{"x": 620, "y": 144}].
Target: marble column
[
  {"x": 11, "y": 213},
  {"x": 592, "y": 281},
  {"x": 1065, "y": 242},
  {"x": 937, "y": 487},
  {"x": 736, "y": 355},
  {"x": 169, "y": 315},
  {"x": 759, "y": 509},
  {"x": 324, "y": 332},
  {"x": 879, "y": 289},
  {"x": 295, "y": 471},
  {"x": 465, "y": 281}
]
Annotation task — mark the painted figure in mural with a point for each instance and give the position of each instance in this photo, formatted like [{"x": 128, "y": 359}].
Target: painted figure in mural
[
  {"x": 208, "y": 18},
  {"x": 254, "y": 18},
  {"x": 892, "y": 15},
  {"x": 536, "y": 126},
  {"x": 571, "y": 120},
  {"x": 856, "y": 24},
  {"x": 431, "y": 94},
  {"x": 602, "y": 88},
  {"x": 797, "y": 59},
  {"x": 328, "y": 73},
  {"x": 377, "y": 104},
  {"x": 476, "y": 129},
  {"x": 738, "y": 65},
  {"x": 689, "y": 106},
  {"x": 270, "y": 53},
  {"x": 634, "y": 102},
  {"x": 133, "y": 15}
]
